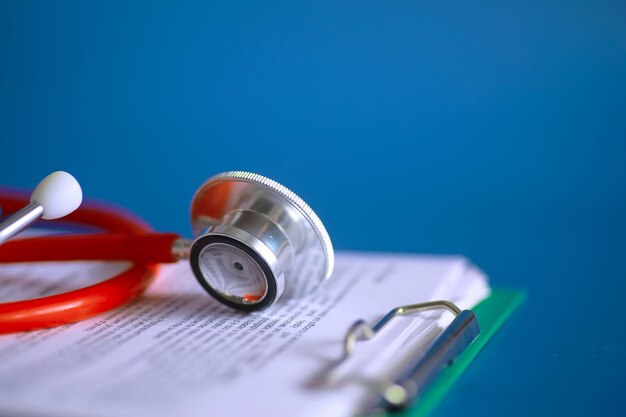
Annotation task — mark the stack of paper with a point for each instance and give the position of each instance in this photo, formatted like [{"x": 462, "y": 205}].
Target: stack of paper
[{"x": 177, "y": 352}]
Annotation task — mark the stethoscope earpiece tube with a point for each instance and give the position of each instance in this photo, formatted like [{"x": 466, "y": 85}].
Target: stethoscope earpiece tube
[
  {"x": 150, "y": 247},
  {"x": 83, "y": 303}
]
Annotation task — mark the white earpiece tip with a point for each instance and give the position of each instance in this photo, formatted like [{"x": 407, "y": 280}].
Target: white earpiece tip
[{"x": 59, "y": 194}]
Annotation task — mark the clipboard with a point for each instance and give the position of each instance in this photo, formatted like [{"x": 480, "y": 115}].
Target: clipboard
[
  {"x": 430, "y": 375},
  {"x": 492, "y": 314},
  {"x": 175, "y": 276}
]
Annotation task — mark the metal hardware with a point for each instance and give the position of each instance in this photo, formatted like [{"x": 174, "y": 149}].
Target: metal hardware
[
  {"x": 19, "y": 221},
  {"x": 406, "y": 388},
  {"x": 256, "y": 241}
]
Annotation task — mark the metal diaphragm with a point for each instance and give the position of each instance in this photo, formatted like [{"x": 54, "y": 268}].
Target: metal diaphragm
[{"x": 256, "y": 241}]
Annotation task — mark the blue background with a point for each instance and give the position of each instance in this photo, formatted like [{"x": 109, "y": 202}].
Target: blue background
[{"x": 493, "y": 129}]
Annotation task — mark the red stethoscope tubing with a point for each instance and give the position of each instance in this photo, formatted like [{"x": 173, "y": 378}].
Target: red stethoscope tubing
[{"x": 125, "y": 237}]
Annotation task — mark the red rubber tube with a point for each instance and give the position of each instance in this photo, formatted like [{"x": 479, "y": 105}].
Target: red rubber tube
[{"x": 126, "y": 237}]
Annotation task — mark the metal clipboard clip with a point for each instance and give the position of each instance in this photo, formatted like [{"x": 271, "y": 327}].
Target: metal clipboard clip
[{"x": 414, "y": 380}]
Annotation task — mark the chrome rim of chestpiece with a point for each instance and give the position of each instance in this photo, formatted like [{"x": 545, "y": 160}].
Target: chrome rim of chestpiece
[{"x": 255, "y": 241}]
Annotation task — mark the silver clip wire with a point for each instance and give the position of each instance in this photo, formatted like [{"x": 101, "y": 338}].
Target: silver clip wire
[{"x": 361, "y": 327}]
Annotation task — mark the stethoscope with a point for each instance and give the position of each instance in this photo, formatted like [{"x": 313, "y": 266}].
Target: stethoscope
[{"x": 255, "y": 242}]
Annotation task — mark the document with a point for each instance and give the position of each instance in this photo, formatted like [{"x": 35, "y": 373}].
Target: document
[{"x": 178, "y": 352}]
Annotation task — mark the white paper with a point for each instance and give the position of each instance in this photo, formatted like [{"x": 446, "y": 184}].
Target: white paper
[{"x": 179, "y": 352}]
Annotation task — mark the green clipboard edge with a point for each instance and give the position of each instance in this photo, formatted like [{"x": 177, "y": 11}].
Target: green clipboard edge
[{"x": 492, "y": 313}]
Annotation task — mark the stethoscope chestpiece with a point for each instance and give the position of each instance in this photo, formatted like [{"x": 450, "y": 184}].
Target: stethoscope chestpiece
[{"x": 256, "y": 241}]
